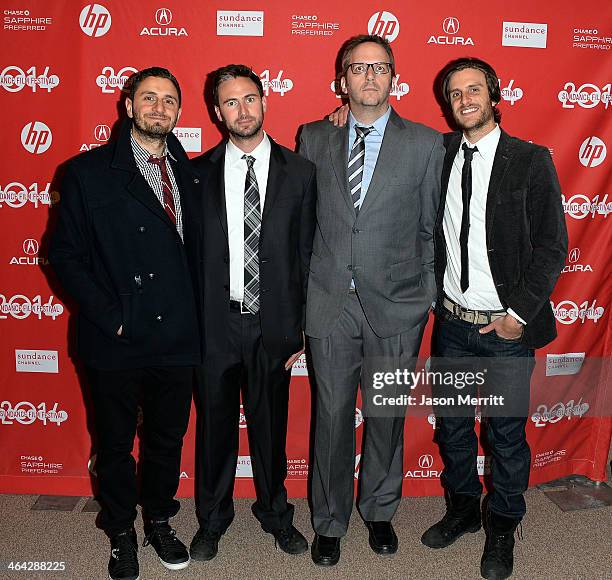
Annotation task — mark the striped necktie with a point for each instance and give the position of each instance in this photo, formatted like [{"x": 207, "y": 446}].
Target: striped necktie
[
  {"x": 355, "y": 165},
  {"x": 252, "y": 228},
  {"x": 166, "y": 186}
]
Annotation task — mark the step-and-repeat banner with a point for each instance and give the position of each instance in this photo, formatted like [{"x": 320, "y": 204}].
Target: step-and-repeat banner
[{"x": 62, "y": 70}]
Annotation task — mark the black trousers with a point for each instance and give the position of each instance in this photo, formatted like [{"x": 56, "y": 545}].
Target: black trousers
[
  {"x": 164, "y": 393},
  {"x": 265, "y": 391}
]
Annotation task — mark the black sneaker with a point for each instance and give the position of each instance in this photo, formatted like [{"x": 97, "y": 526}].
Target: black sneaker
[
  {"x": 123, "y": 563},
  {"x": 290, "y": 540},
  {"x": 205, "y": 545},
  {"x": 171, "y": 551}
]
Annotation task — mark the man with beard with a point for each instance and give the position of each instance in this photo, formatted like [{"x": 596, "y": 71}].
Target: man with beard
[
  {"x": 501, "y": 243},
  {"x": 119, "y": 251},
  {"x": 258, "y": 221},
  {"x": 370, "y": 289}
]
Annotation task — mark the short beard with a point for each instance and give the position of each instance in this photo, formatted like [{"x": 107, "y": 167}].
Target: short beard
[
  {"x": 247, "y": 133},
  {"x": 154, "y": 133}
]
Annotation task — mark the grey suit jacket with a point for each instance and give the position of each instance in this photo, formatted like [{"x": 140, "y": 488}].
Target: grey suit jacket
[{"x": 388, "y": 247}]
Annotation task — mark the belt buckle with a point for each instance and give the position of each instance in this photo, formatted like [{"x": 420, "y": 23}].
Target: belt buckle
[{"x": 242, "y": 311}]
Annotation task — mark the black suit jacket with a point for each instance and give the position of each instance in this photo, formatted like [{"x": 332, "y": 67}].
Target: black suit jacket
[
  {"x": 525, "y": 231},
  {"x": 120, "y": 257},
  {"x": 285, "y": 245}
]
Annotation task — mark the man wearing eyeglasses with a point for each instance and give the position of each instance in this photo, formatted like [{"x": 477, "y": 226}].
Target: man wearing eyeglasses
[{"x": 370, "y": 288}]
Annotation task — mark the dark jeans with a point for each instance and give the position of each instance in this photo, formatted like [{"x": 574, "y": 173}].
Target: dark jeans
[
  {"x": 164, "y": 393},
  {"x": 504, "y": 436}
]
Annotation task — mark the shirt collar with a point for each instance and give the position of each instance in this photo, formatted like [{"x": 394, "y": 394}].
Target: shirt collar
[
  {"x": 261, "y": 152},
  {"x": 379, "y": 125},
  {"x": 487, "y": 145},
  {"x": 142, "y": 153}
]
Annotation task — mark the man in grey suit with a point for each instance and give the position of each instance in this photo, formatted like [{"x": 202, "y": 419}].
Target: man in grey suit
[{"x": 370, "y": 289}]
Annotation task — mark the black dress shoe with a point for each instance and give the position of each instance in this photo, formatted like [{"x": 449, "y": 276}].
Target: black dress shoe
[
  {"x": 290, "y": 540},
  {"x": 205, "y": 545},
  {"x": 382, "y": 538},
  {"x": 498, "y": 558},
  {"x": 325, "y": 550}
]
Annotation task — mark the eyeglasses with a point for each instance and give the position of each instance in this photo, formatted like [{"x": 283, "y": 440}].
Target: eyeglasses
[{"x": 379, "y": 68}]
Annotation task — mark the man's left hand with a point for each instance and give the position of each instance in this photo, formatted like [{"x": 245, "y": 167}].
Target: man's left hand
[
  {"x": 506, "y": 327},
  {"x": 291, "y": 360}
]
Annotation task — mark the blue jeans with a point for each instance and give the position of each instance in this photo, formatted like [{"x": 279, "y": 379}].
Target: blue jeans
[{"x": 503, "y": 436}]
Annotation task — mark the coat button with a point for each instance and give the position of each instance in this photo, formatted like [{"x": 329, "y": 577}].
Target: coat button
[
  {"x": 159, "y": 318},
  {"x": 226, "y": 287},
  {"x": 356, "y": 230},
  {"x": 142, "y": 229},
  {"x": 349, "y": 267},
  {"x": 196, "y": 180},
  {"x": 151, "y": 275}
]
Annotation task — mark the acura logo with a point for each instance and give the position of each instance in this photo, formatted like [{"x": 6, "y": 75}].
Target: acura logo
[
  {"x": 451, "y": 25},
  {"x": 425, "y": 461},
  {"x": 163, "y": 17},
  {"x": 30, "y": 247},
  {"x": 574, "y": 255},
  {"x": 102, "y": 132}
]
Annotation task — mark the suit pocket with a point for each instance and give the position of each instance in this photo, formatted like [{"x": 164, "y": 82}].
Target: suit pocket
[{"x": 405, "y": 270}]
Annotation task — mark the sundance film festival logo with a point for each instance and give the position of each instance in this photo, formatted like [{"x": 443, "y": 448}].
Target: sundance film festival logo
[
  {"x": 22, "y": 307},
  {"x": 163, "y": 18},
  {"x": 510, "y": 93},
  {"x": 95, "y": 20},
  {"x": 109, "y": 80},
  {"x": 592, "y": 152},
  {"x": 30, "y": 255},
  {"x": 101, "y": 135},
  {"x": 384, "y": 24},
  {"x": 545, "y": 416},
  {"x": 450, "y": 27},
  {"x": 16, "y": 195},
  {"x": 276, "y": 85},
  {"x": 26, "y": 413},
  {"x": 240, "y": 23},
  {"x": 36, "y": 137},
  {"x": 573, "y": 264},
  {"x": 14, "y": 79},
  {"x": 525, "y": 34},
  {"x": 567, "y": 312},
  {"x": 581, "y": 206},
  {"x": 587, "y": 95}
]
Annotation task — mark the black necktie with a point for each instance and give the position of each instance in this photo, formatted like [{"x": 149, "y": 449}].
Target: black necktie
[{"x": 466, "y": 195}]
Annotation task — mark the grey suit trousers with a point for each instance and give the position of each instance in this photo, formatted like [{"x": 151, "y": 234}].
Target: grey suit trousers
[{"x": 342, "y": 361}]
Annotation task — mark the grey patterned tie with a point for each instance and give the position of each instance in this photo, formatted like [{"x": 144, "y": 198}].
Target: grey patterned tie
[
  {"x": 252, "y": 228},
  {"x": 355, "y": 165}
]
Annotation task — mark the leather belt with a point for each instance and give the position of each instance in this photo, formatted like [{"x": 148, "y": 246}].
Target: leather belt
[
  {"x": 238, "y": 306},
  {"x": 473, "y": 316}
]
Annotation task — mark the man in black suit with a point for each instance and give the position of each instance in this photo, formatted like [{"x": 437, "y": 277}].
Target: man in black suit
[
  {"x": 258, "y": 212},
  {"x": 118, "y": 251},
  {"x": 501, "y": 242}
]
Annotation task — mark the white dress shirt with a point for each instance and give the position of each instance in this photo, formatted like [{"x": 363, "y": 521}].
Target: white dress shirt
[
  {"x": 481, "y": 293},
  {"x": 235, "y": 172}
]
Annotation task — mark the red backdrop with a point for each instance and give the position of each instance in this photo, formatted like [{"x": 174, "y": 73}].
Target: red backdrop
[{"x": 61, "y": 73}]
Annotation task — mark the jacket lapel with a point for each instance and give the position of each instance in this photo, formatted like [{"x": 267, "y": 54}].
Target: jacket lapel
[
  {"x": 276, "y": 177},
  {"x": 216, "y": 184},
  {"x": 338, "y": 147},
  {"x": 451, "y": 144},
  {"x": 501, "y": 161}
]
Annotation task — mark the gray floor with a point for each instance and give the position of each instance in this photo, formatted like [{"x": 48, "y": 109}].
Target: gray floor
[{"x": 556, "y": 545}]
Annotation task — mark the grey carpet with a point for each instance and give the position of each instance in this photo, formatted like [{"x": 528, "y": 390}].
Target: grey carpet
[{"x": 556, "y": 545}]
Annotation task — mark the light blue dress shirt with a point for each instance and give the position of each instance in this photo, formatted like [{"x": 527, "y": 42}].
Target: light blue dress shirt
[{"x": 373, "y": 141}]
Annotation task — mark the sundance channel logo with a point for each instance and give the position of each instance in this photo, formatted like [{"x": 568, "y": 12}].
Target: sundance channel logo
[
  {"x": 240, "y": 23},
  {"x": 36, "y": 361}
]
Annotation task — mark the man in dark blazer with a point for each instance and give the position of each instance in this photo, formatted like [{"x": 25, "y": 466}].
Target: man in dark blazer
[
  {"x": 118, "y": 251},
  {"x": 370, "y": 289},
  {"x": 501, "y": 243},
  {"x": 257, "y": 208}
]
